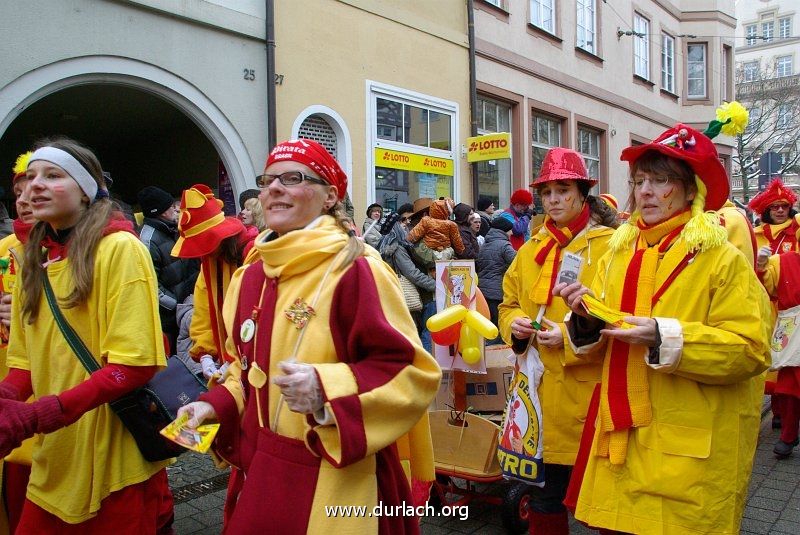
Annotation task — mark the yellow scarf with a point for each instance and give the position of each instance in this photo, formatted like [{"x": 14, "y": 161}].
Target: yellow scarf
[
  {"x": 624, "y": 390},
  {"x": 300, "y": 250}
]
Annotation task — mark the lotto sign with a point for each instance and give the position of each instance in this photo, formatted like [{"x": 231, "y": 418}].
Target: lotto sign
[
  {"x": 413, "y": 162},
  {"x": 489, "y": 147}
]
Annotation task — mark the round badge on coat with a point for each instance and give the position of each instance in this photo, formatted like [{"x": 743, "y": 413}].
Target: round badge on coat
[{"x": 247, "y": 330}]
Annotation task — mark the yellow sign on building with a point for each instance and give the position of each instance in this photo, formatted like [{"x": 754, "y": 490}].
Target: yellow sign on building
[
  {"x": 489, "y": 147},
  {"x": 413, "y": 162}
]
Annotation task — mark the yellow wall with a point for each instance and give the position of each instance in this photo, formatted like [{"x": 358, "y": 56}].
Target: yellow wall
[{"x": 327, "y": 49}]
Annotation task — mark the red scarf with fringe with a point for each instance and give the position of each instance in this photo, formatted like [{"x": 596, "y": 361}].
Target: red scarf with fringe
[
  {"x": 548, "y": 256},
  {"x": 624, "y": 395}
]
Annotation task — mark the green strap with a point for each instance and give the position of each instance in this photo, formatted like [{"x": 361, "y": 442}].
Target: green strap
[{"x": 74, "y": 341}]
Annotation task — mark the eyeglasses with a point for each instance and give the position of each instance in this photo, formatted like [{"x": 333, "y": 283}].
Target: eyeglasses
[
  {"x": 657, "y": 181},
  {"x": 289, "y": 178},
  {"x": 783, "y": 207}
]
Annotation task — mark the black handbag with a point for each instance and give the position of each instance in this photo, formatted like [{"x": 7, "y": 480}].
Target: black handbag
[{"x": 146, "y": 410}]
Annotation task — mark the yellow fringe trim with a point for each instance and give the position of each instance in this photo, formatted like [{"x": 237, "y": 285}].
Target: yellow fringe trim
[
  {"x": 703, "y": 231},
  {"x": 625, "y": 234}
]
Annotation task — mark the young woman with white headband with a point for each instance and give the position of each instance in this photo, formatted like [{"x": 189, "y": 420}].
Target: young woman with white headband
[{"x": 87, "y": 475}]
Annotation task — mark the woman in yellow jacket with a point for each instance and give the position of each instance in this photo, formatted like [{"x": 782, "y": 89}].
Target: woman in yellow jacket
[
  {"x": 680, "y": 397},
  {"x": 576, "y": 223}
]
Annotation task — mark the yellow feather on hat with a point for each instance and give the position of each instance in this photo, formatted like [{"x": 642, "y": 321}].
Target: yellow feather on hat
[{"x": 21, "y": 165}]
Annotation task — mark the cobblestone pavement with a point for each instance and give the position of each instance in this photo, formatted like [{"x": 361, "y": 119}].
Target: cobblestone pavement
[{"x": 773, "y": 505}]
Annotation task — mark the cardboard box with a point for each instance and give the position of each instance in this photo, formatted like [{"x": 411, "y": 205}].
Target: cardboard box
[{"x": 485, "y": 392}]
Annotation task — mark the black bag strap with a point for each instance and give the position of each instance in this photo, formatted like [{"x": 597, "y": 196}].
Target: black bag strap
[{"x": 74, "y": 341}]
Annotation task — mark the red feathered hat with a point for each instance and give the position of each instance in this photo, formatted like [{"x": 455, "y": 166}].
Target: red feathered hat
[
  {"x": 563, "y": 164},
  {"x": 687, "y": 144},
  {"x": 202, "y": 224},
  {"x": 776, "y": 192}
]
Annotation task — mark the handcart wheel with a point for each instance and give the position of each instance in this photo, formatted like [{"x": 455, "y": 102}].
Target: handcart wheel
[
  {"x": 514, "y": 510},
  {"x": 435, "y": 499}
]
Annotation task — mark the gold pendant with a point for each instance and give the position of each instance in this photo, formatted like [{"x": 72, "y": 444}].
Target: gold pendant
[{"x": 299, "y": 313}]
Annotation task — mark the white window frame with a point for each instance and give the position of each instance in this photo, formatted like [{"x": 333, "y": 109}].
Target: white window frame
[
  {"x": 668, "y": 62},
  {"x": 586, "y": 25},
  {"x": 539, "y": 9},
  {"x": 591, "y": 157},
  {"x": 783, "y": 66},
  {"x": 505, "y": 187},
  {"x": 641, "y": 46},
  {"x": 750, "y": 71},
  {"x": 375, "y": 90},
  {"x": 768, "y": 30},
  {"x": 689, "y": 95},
  {"x": 785, "y": 23},
  {"x": 784, "y": 117},
  {"x": 751, "y": 31}
]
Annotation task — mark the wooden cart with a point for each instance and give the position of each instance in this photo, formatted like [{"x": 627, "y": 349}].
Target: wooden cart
[{"x": 465, "y": 448}]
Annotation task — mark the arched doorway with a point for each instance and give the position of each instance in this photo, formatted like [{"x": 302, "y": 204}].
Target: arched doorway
[
  {"x": 324, "y": 125},
  {"x": 147, "y": 125}
]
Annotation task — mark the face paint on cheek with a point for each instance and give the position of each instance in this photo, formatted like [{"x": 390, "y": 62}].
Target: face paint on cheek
[
  {"x": 668, "y": 192},
  {"x": 59, "y": 189},
  {"x": 669, "y": 206}
]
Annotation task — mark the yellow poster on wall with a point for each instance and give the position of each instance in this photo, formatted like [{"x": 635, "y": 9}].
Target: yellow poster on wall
[
  {"x": 413, "y": 162},
  {"x": 489, "y": 147}
]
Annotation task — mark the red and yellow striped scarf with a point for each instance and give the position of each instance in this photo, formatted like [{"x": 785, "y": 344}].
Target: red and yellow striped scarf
[
  {"x": 548, "y": 256},
  {"x": 217, "y": 274},
  {"x": 624, "y": 391}
]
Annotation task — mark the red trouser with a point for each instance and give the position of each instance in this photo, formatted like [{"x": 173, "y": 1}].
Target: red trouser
[
  {"x": 143, "y": 508},
  {"x": 790, "y": 418}
]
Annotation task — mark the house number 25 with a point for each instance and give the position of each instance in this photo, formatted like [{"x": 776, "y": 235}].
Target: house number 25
[{"x": 249, "y": 74}]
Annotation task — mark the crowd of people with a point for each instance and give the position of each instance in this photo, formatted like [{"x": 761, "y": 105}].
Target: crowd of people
[{"x": 312, "y": 337}]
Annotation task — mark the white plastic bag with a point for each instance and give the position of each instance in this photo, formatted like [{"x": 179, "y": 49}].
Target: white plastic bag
[
  {"x": 785, "y": 342},
  {"x": 520, "y": 449}
]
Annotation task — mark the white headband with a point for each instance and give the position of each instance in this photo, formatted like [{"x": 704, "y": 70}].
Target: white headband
[{"x": 73, "y": 167}]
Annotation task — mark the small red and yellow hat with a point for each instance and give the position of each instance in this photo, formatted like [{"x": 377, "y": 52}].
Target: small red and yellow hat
[{"x": 202, "y": 224}]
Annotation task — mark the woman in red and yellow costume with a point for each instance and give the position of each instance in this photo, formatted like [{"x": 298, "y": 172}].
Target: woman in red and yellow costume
[
  {"x": 679, "y": 405},
  {"x": 575, "y": 223},
  {"x": 330, "y": 387}
]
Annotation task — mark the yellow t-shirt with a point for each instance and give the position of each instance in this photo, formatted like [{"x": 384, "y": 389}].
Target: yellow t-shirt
[{"x": 79, "y": 465}]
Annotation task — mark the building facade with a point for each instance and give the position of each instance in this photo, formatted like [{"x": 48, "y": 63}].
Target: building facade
[
  {"x": 597, "y": 77},
  {"x": 170, "y": 92},
  {"x": 768, "y": 83}
]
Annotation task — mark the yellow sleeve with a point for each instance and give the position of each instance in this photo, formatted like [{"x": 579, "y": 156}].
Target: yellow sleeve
[
  {"x": 389, "y": 380},
  {"x": 17, "y": 355},
  {"x": 732, "y": 344},
  {"x": 200, "y": 328},
  {"x": 233, "y": 377},
  {"x": 510, "y": 309},
  {"x": 771, "y": 275}
]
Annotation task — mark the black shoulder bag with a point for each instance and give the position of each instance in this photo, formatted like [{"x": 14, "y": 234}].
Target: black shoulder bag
[{"x": 146, "y": 410}]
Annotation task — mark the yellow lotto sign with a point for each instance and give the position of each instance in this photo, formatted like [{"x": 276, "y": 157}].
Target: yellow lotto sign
[
  {"x": 489, "y": 147},
  {"x": 413, "y": 162}
]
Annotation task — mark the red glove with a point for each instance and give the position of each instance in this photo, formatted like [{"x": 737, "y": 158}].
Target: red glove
[{"x": 19, "y": 420}]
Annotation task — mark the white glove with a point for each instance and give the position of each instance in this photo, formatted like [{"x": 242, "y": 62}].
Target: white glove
[
  {"x": 763, "y": 256},
  {"x": 209, "y": 367},
  {"x": 300, "y": 387}
]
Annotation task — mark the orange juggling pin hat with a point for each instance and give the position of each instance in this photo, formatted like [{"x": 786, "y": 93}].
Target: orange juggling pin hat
[{"x": 202, "y": 224}]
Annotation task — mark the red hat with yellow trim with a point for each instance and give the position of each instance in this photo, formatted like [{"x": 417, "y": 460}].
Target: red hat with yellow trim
[
  {"x": 563, "y": 164},
  {"x": 20, "y": 166},
  {"x": 202, "y": 224},
  {"x": 775, "y": 193}
]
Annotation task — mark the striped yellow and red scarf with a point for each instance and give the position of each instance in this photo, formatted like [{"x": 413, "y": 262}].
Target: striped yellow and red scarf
[
  {"x": 217, "y": 274},
  {"x": 548, "y": 256},
  {"x": 624, "y": 394}
]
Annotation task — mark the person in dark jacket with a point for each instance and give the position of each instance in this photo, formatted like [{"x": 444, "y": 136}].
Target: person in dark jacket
[
  {"x": 486, "y": 211},
  {"x": 494, "y": 258},
  {"x": 176, "y": 276},
  {"x": 462, "y": 213}
]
